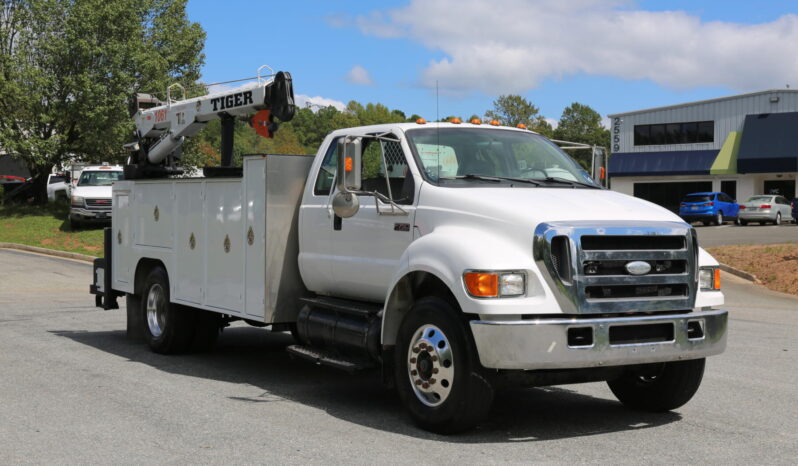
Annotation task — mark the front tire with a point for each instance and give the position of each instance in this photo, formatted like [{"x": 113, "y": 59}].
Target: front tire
[
  {"x": 168, "y": 327},
  {"x": 436, "y": 369},
  {"x": 659, "y": 387},
  {"x": 743, "y": 222}
]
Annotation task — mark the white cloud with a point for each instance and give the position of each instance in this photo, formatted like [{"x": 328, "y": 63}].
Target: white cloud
[
  {"x": 359, "y": 75},
  {"x": 508, "y": 46},
  {"x": 314, "y": 103},
  {"x": 554, "y": 123}
]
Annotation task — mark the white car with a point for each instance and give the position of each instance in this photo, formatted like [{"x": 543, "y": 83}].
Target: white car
[{"x": 91, "y": 195}]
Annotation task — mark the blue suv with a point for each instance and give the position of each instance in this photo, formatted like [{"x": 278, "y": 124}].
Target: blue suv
[{"x": 708, "y": 208}]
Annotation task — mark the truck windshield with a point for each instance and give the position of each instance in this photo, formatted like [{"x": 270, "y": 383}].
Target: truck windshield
[
  {"x": 99, "y": 178},
  {"x": 471, "y": 155}
]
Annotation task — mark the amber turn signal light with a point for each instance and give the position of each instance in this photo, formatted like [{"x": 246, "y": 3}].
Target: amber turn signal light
[{"x": 481, "y": 284}]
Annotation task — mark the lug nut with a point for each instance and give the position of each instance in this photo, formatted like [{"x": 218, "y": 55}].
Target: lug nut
[
  {"x": 418, "y": 381},
  {"x": 431, "y": 381},
  {"x": 416, "y": 350},
  {"x": 426, "y": 385},
  {"x": 412, "y": 360},
  {"x": 434, "y": 370},
  {"x": 413, "y": 372},
  {"x": 434, "y": 358}
]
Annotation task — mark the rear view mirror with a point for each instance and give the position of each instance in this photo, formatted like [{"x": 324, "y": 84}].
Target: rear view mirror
[{"x": 350, "y": 152}]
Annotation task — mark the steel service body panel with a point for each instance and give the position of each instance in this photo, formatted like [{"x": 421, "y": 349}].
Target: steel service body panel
[{"x": 228, "y": 244}]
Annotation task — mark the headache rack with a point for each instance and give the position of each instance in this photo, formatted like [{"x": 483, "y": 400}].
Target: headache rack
[{"x": 590, "y": 265}]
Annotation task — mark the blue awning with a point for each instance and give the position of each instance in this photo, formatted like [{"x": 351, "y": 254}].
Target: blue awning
[
  {"x": 769, "y": 143},
  {"x": 682, "y": 162}
]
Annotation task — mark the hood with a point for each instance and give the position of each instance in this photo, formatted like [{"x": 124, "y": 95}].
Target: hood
[
  {"x": 92, "y": 192},
  {"x": 532, "y": 206}
]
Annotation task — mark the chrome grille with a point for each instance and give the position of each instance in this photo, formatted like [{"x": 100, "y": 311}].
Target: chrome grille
[
  {"x": 103, "y": 205},
  {"x": 593, "y": 278}
]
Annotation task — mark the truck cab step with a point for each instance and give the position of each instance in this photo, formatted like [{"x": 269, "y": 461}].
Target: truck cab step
[
  {"x": 358, "y": 308},
  {"x": 330, "y": 359}
]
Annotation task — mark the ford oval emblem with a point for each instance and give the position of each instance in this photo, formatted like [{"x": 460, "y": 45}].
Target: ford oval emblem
[{"x": 638, "y": 267}]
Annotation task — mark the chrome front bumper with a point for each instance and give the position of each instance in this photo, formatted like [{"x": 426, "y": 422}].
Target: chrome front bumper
[{"x": 543, "y": 343}]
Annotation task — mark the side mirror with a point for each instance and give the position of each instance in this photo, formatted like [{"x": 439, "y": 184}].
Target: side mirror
[
  {"x": 350, "y": 152},
  {"x": 345, "y": 204}
]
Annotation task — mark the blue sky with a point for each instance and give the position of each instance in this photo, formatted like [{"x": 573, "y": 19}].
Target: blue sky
[{"x": 613, "y": 55}]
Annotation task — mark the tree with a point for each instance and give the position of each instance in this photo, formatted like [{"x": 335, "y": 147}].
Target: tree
[
  {"x": 580, "y": 123},
  {"x": 513, "y": 109},
  {"x": 69, "y": 67}
]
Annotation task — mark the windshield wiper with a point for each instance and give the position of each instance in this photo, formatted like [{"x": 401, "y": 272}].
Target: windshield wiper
[
  {"x": 556, "y": 179},
  {"x": 471, "y": 176}
]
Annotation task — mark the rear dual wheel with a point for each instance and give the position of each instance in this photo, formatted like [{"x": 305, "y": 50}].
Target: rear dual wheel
[
  {"x": 168, "y": 327},
  {"x": 436, "y": 369}
]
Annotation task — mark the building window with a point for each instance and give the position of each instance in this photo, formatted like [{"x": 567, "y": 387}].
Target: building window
[{"x": 675, "y": 133}]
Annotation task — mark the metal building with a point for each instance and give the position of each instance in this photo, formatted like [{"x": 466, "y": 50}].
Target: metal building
[{"x": 741, "y": 145}]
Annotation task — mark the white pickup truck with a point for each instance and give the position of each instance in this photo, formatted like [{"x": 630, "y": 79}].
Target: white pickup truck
[
  {"x": 90, "y": 198},
  {"x": 456, "y": 258}
]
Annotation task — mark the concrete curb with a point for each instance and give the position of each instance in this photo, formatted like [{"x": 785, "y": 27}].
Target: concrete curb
[
  {"x": 740, "y": 273},
  {"x": 48, "y": 252}
]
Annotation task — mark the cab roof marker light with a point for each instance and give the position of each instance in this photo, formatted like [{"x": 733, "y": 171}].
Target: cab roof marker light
[
  {"x": 421, "y": 121},
  {"x": 494, "y": 122}
]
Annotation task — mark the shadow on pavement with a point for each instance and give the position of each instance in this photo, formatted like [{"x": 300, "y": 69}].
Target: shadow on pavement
[{"x": 257, "y": 357}]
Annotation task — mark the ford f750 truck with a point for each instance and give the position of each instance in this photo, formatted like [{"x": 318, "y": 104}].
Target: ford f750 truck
[{"x": 454, "y": 258}]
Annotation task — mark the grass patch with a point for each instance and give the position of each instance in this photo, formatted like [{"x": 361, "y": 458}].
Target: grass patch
[
  {"x": 776, "y": 265},
  {"x": 47, "y": 227}
]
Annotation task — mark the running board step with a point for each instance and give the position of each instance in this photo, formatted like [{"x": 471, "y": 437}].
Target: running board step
[
  {"x": 358, "y": 308},
  {"x": 324, "y": 358}
]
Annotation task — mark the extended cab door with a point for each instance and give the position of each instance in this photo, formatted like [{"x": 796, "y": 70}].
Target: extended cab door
[
  {"x": 315, "y": 224},
  {"x": 367, "y": 246}
]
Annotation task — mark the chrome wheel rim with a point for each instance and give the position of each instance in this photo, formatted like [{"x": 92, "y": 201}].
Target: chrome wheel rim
[
  {"x": 778, "y": 219},
  {"x": 719, "y": 219},
  {"x": 156, "y": 310},
  {"x": 430, "y": 365}
]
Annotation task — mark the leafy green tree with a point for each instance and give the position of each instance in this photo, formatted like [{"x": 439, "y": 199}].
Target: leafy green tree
[
  {"x": 513, "y": 109},
  {"x": 69, "y": 67},
  {"x": 580, "y": 123}
]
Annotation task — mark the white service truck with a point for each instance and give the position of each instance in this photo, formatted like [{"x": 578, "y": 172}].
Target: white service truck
[{"x": 456, "y": 258}]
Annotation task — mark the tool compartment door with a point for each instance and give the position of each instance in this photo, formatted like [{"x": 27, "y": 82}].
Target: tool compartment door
[
  {"x": 189, "y": 241},
  {"x": 224, "y": 248}
]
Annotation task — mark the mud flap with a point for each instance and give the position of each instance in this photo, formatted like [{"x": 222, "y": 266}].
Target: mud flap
[{"x": 104, "y": 295}]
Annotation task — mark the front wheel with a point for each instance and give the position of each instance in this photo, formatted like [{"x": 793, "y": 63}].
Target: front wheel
[
  {"x": 436, "y": 369},
  {"x": 659, "y": 387}
]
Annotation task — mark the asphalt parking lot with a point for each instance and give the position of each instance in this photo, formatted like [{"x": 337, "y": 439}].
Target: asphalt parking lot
[
  {"x": 720, "y": 235},
  {"x": 74, "y": 390}
]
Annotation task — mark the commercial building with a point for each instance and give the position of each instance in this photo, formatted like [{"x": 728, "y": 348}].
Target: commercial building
[{"x": 741, "y": 145}]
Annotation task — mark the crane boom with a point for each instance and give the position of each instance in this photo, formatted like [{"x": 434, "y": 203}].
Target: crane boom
[{"x": 161, "y": 127}]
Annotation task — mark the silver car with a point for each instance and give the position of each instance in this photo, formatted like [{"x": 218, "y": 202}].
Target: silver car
[{"x": 764, "y": 209}]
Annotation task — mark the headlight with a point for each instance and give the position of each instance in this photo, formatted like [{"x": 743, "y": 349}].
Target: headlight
[
  {"x": 77, "y": 201},
  {"x": 709, "y": 278},
  {"x": 495, "y": 284}
]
